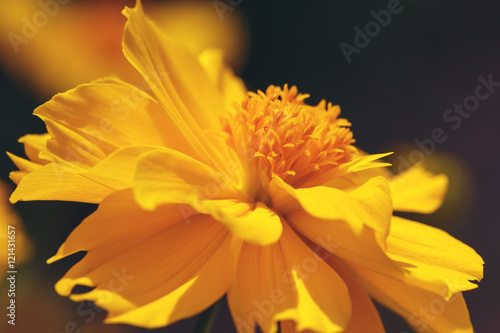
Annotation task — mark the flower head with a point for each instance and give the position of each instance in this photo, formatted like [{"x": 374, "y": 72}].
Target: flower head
[
  {"x": 207, "y": 190},
  {"x": 288, "y": 138}
]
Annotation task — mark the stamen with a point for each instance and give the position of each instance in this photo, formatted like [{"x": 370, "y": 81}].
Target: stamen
[{"x": 281, "y": 136}]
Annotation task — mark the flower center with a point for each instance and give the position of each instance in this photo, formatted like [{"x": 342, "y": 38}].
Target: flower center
[{"x": 278, "y": 135}]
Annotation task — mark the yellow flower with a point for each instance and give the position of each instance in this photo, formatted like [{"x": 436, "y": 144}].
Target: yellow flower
[{"x": 205, "y": 190}]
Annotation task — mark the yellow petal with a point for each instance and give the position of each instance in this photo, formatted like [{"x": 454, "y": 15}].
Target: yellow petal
[
  {"x": 417, "y": 190},
  {"x": 177, "y": 80},
  {"x": 168, "y": 176},
  {"x": 356, "y": 179},
  {"x": 375, "y": 200},
  {"x": 117, "y": 207},
  {"x": 287, "y": 281},
  {"x": 116, "y": 171},
  {"x": 52, "y": 182},
  {"x": 149, "y": 269},
  {"x": 34, "y": 144},
  {"x": 338, "y": 238},
  {"x": 361, "y": 163},
  {"x": 71, "y": 149},
  {"x": 254, "y": 223},
  {"x": 365, "y": 162},
  {"x": 16, "y": 176},
  {"x": 364, "y": 317},
  {"x": 91, "y": 121},
  {"x": 25, "y": 167},
  {"x": 423, "y": 310},
  {"x": 369, "y": 204},
  {"x": 432, "y": 255}
]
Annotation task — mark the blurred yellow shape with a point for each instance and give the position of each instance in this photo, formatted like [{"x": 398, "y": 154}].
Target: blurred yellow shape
[{"x": 54, "y": 45}]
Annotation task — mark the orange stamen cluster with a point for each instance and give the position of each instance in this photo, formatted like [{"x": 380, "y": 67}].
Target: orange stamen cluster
[{"x": 288, "y": 138}]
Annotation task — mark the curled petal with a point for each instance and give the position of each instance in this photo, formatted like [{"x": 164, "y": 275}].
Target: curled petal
[
  {"x": 254, "y": 223},
  {"x": 293, "y": 283},
  {"x": 369, "y": 204}
]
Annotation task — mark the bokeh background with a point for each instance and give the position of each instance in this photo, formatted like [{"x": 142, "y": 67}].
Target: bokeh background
[{"x": 395, "y": 90}]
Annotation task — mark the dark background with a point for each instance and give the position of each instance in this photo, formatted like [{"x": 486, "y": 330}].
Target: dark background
[{"x": 394, "y": 92}]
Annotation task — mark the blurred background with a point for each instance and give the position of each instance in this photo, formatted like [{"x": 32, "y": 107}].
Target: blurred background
[{"x": 395, "y": 83}]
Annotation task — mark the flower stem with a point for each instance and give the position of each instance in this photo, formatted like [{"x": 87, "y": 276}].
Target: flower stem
[{"x": 206, "y": 319}]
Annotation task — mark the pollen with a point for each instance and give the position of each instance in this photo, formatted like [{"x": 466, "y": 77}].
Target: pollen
[{"x": 280, "y": 135}]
